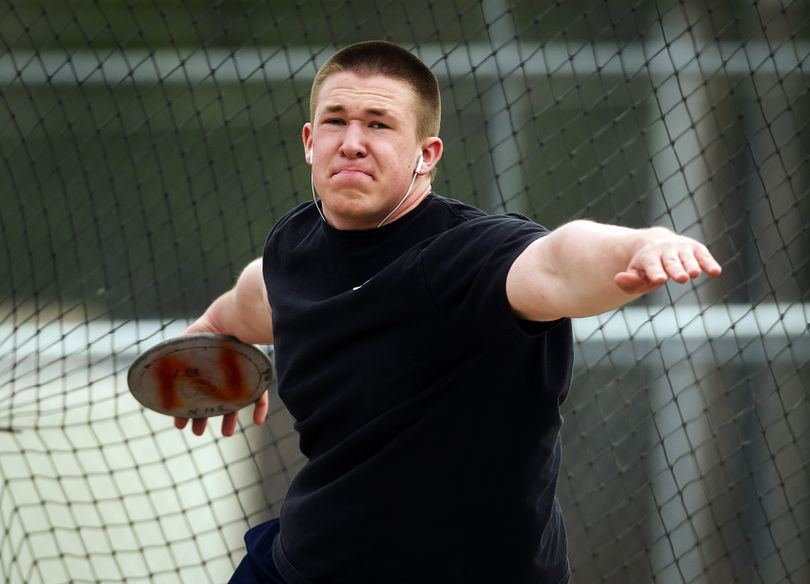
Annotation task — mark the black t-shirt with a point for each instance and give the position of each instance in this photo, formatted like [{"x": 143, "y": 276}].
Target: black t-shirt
[{"x": 428, "y": 412}]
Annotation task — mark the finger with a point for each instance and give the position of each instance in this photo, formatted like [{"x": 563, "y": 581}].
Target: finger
[
  {"x": 690, "y": 263},
  {"x": 653, "y": 269},
  {"x": 180, "y": 423},
  {"x": 673, "y": 266},
  {"x": 198, "y": 426},
  {"x": 201, "y": 325},
  {"x": 260, "y": 409},
  {"x": 707, "y": 261},
  {"x": 229, "y": 422}
]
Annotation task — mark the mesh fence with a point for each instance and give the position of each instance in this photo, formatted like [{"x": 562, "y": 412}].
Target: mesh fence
[{"x": 146, "y": 149}]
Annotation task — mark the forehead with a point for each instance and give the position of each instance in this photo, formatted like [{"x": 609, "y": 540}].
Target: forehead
[{"x": 349, "y": 90}]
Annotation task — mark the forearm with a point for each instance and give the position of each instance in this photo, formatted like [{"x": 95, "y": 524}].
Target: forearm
[
  {"x": 585, "y": 258},
  {"x": 585, "y": 268}
]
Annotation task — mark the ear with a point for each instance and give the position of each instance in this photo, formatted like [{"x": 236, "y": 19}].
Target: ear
[
  {"x": 432, "y": 149},
  {"x": 306, "y": 136}
]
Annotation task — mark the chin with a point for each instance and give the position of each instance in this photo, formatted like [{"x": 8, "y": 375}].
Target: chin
[{"x": 358, "y": 210}]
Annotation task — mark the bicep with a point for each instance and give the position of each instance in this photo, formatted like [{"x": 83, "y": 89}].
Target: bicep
[
  {"x": 254, "y": 305},
  {"x": 532, "y": 284}
]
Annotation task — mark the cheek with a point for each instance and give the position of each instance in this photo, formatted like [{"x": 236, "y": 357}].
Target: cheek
[
  {"x": 405, "y": 166},
  {"x": 400, "y": 159}
]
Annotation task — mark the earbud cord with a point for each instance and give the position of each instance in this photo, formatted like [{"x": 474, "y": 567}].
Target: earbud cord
[
  {"x": 387, "y": 217},
  {"x": 315, "y": 198},
  {"x": 394, "y": 210}
]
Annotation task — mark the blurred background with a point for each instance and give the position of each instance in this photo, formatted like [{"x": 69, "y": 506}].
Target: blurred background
[{"x": 146, "y": 148}]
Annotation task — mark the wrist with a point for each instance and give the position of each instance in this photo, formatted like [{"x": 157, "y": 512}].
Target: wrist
[{"x": 649, "y": 235}]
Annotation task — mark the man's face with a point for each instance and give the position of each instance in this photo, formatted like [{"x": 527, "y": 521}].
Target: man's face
[{"x": 364, "y": 149}]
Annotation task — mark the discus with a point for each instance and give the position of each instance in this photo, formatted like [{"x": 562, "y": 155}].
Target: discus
[{"x": 199, "y": 376}]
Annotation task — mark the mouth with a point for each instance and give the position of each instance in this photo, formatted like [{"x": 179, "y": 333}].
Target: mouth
[{"x": 351, "y": 172}]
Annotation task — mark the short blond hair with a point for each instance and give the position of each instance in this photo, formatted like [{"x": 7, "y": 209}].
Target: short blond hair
[{"x": 389, "y": 60}]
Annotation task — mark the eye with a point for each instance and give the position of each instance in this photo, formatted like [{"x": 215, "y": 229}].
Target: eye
[
  {"x": 333, "y": 121},
  {"x": 378, "y": 125}
]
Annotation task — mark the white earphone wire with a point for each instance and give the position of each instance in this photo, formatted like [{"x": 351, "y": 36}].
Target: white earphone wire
[
  {"x": 315, "y": 198},
  {"x": 408, "y": 192},
  {"x": 311, "y": 160}
]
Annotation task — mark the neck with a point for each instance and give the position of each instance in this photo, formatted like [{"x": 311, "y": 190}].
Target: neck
[{"x": 410, "y": 200}]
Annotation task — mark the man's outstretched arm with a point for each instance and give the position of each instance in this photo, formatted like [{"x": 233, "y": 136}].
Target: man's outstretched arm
[
  {"x": 243, "y": 312},
  {"x": 585, "y": 268}
]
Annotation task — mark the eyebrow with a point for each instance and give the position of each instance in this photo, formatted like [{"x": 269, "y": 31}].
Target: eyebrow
[{"x": 380, "y": 112}]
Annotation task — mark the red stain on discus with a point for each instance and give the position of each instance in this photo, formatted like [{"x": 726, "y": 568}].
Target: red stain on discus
[
  {"x": 167, "y": 370},
  {"x": 171, "y": 370},
  {"x": 234, "y": 389}
]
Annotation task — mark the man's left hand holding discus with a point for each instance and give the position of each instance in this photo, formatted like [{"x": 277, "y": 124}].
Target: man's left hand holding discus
[{"x": 246, "y": 310}]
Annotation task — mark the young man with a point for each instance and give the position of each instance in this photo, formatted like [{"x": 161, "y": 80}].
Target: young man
[{"x": 423, "y": 347}]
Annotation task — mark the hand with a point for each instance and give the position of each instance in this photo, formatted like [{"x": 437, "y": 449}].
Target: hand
[
  {"x": 664, "y": 255},
  {"x": 229, "y": 421},
  {"x": 198, "y": 425}
]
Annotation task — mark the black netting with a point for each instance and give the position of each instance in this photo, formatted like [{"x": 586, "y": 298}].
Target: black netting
[{"x": 146, "y": 149}]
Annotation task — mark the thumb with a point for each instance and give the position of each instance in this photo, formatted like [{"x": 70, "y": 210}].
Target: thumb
[
  {"x": 201, "y": 325},
  {"x": 635, "y": 282}
]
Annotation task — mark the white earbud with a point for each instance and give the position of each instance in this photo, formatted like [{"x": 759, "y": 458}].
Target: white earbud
[
  {"x": 419, "y": 164},
  {"x": 310, "y": 156}
]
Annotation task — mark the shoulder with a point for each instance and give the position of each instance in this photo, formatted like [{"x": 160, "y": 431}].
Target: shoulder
[
  {"x": 473, "y": 218},
  {"x": 476, "y": 238},
  {"x": 302, "y": 215},
  {"x": 473, "y": 226},
  {"x": 296, "y": 227},
  {"x": 452, "y": 210},
  {"x": 295, "y": 223}
]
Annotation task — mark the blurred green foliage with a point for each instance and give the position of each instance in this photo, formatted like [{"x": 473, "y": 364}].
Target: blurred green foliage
[{"x": 147, "y": 198}]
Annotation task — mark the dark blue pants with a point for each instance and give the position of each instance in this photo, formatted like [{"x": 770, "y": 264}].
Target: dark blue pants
[{"x": 257, "y": 566}]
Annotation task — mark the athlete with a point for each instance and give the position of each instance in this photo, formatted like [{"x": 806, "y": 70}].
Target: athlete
[{"x": 423, "y": 347}]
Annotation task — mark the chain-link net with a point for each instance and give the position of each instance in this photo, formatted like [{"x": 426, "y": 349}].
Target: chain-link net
[{"x": 147, "y": 147}]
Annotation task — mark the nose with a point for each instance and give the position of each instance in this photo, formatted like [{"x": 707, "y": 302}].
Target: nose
[{"x": 354, "y": 141}]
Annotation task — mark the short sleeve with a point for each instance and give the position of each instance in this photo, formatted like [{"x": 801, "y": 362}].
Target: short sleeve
[{"x": 465, "y": 268}]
